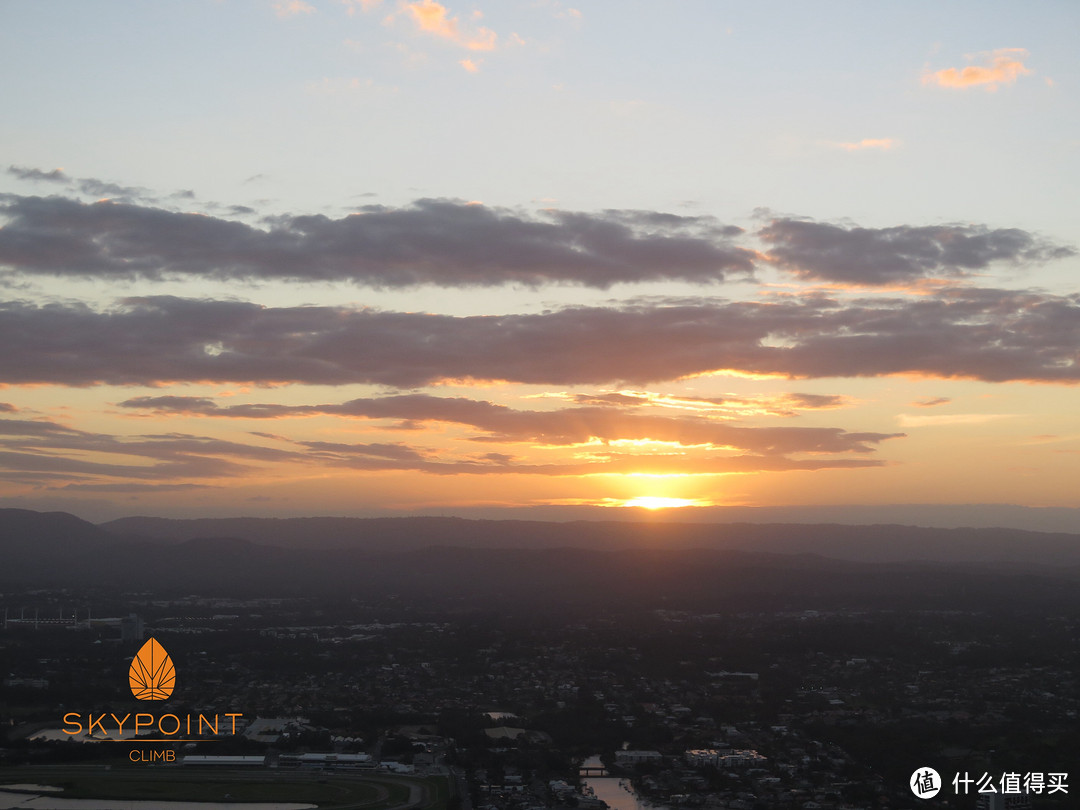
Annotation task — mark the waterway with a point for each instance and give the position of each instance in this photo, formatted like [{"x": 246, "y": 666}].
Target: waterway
[{"x": 615, "y": 791}]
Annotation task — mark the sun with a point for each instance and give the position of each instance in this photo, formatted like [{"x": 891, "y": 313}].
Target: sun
[{"x": 655, "y": 502}]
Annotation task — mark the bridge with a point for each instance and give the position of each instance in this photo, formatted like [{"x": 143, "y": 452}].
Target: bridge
[{"x": 592, "y": 770}]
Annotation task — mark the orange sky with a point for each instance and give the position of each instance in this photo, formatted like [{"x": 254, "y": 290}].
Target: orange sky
[{"x": 394, "y": 257}]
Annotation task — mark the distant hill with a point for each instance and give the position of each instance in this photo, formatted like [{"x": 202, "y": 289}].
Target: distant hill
[
  {"x": 601, "y": 566},
  {"x": 880, "y": 543},
  {"x": 32, "y": 540}
]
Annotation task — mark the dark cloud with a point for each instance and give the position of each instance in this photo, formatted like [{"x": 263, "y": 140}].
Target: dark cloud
[
  {"x": 86, "y": 185},
  {"x": 442, "y": 242},
  {"x": 376, "y": 450},
  {"x": 7, "y": 407},
  {"x": 898, "y": 255},
  {"x": 451, "y": 243},
  {"x": 816, "y": 401},
  {"x": 772, "y": 405},
  {"x": 100, "y": 188},
  {"x": 674, "y": 464},
  {"x": 566, "y": 426},
  {"x": 931, "y": 403},
  {"x": 37, "y": 446},
  {"x": 45, "y": 453},
  {"x": 991, "y": 335},
  {"x": 133, "y": 488},
  {"x": 38, "y": 175},
  {"x": 617, "y": 399}
]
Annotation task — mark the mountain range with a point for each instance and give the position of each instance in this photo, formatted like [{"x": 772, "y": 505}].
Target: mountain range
[{"x": 531, "y": 562}]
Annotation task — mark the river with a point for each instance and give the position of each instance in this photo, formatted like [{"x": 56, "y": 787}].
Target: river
[{"x": 615, "y": 791}]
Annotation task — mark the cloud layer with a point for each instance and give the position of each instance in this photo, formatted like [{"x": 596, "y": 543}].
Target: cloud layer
[
  {"x": 877, "y": 256},
  {"x": 47, "y": 454},
  {"x": 993, "y": 335},
  {"x": 440, "y": 242},
  {"x": 1003, "y": 66},
  {"x": 567, "y": 426},
  {"x": 450, "y": 243}
]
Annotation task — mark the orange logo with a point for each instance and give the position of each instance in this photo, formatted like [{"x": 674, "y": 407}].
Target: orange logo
[{"x": 152, "y": 675}]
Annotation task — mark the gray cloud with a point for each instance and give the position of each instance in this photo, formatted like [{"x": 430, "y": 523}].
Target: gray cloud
[
  {"x": 38, "y": 446},
  {"x": 133, "y": 488},
  {"x": 451, "y": 243},
  {"x": 901, "y": 254},
  {"x": 100, "y": 188},
  {"x": 442, "y": 242},
  {"x": 564, "y": 426},
  {"x": 991, "y": 335},
  {"x": 86, "y": 185},
  {"x": 932, "y": 403},
  {"x": 38, "y": 175},
  {"x": 46, "y": 454},
  {"x": 773, "y": 405},
  {"x": 816, "y": 401}
]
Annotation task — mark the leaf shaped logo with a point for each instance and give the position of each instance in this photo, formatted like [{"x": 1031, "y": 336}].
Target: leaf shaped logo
[{"x": 152, "y": 675}]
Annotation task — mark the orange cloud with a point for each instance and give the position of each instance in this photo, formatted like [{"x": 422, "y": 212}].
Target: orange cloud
[
  {"x": 884, "y": 144},
  {"x": 1002, "y": 66},
  {"x": 290, "y": 8},
  {"x": 364, "y": 5},
  {"x": 469, "y": 65},
  {"x": 432, "y": 18}
]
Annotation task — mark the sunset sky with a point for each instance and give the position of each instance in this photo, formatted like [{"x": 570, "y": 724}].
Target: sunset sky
[{"x": 364, "y": 257}]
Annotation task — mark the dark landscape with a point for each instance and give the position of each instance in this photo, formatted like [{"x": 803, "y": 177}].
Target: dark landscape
[{"x": 745, "y": 670}]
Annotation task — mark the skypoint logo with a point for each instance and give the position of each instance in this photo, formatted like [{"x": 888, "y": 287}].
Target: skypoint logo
[{"x": 151, "y": 676}]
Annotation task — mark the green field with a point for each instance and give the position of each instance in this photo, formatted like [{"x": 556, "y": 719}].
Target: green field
[
  {"x": 173, "y": 784},
  {"x": 195, "y": 789}
]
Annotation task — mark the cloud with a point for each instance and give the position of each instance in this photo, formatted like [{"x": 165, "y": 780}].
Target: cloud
[
  {"x": 443, "y": 242},
  {"x": 44, "y": 447},
  {"x": 43, "y": 453},
  {"x": 911, "y": 420},
  {"x": 470, "y": 65},
  {"x": 883, "y": 144},
  {"x": 1003, "y": 66},
  {"x": 133, "y": 488},
  {"x": 433, "y": 18},
  {"x": 984, "y": 334},
  {"x": 559, "y": 10},
  {"x": 364, "y": 5},
  {"x": 99, "y": 188},
  {"x": 932, "y": 403},
  {"x": 291, "y": 8},
  {"x": 562, "y": 427},
  {"x": 900, "y": 254},
  {"x": 729, "y": 406},
  {"x": 817, "y": 401},
  {"x": 37, "y": 175},
  {"x": 354, "y": 85}
]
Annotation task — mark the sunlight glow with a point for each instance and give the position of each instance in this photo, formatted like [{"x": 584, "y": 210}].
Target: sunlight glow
[{"x": 655, "y": 502}]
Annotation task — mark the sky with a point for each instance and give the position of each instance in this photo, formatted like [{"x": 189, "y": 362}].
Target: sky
[{"x": 368, "y": 257}]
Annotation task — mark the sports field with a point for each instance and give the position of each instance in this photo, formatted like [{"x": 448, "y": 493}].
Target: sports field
[{"x": 327, "y": 790}]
